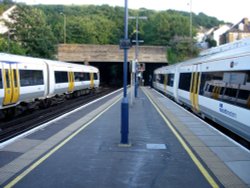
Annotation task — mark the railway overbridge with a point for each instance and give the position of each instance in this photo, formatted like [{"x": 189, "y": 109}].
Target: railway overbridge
[{"x": 109, "y": 58}]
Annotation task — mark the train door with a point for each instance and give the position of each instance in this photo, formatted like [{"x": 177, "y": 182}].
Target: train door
[
  {"x": 194, "y": 87},
  {"x": 10, "y": 83},
  {"x": 71, "y": 81},
  {"x": 91, "y": 80}
]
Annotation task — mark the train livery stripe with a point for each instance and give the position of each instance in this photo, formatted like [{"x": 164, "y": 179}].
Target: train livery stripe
[
  {"x": 202, "y": 169},
  {"x": 11, "y": 86},
  {"x": 194, "y": 89},
  {"x": 71, "y": 81},
  {"x": 15, "y": 86},
  {"x": 91, "y": 80},
  {"x": 7, "y": 88},
  {"x": 191, "y": 91},
  {"x": 196, "y": 95}
]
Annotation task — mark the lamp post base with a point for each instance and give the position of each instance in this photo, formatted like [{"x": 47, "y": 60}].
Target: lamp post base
[{"x": 124, "y": 121}]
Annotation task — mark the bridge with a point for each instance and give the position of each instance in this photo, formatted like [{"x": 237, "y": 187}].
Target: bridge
[
  {"x": 109, "y": 58},
  {"x": 109, "y": 53}
]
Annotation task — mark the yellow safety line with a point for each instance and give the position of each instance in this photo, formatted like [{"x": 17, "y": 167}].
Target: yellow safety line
[
  {"x": 186, "y": 147},
  {"x": 38, "y": 162}
]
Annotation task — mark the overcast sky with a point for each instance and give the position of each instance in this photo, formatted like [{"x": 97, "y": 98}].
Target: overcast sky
[{"x": 227, "y": 10}]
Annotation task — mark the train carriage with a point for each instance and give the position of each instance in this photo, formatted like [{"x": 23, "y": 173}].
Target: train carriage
[
  {"x": 26, "y": 80},
  {"x": 166, "y": 80},
  {"x": 22, "y": 79},
  {"x": 216, "y": 85}
]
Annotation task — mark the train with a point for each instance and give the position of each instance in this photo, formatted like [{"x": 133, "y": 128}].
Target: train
[
  {"x": 215, "y": 85},
  {"x": 26, "y": 82}
]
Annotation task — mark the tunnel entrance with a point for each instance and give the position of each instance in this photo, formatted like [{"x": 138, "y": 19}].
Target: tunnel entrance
[
  {"x": 149, "y": 70},
  {"x": 111, "y": 73}
]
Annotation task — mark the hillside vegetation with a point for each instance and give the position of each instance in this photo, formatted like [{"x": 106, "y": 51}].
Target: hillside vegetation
[{"x": 38, "y": 29}]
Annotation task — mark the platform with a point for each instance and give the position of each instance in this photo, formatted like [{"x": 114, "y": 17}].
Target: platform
[{"x": 169, "y": 148}]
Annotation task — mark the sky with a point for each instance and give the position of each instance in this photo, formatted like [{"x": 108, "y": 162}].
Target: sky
[{"x": 227, "y": 10}]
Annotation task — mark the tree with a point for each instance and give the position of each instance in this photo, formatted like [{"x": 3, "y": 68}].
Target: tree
[
  {"x": 180, "y": 49},
  {"x": 211, "y": 42},
  {"x": 10, "y": 46},
  {"x": 31, "y": 31}
]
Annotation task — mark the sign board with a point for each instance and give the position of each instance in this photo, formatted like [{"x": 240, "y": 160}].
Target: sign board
[
  {"x": 141, "y": 67},
  {"x": 125, "y": 44}
]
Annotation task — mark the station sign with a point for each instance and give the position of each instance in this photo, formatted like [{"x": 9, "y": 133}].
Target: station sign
[{"x": 125, "y": 44}]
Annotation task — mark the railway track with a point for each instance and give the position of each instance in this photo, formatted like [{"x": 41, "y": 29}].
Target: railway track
[{"x": 26, "y": 121}]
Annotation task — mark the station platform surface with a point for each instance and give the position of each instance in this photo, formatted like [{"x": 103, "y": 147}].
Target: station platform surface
[{"x": 168, "y": 147}]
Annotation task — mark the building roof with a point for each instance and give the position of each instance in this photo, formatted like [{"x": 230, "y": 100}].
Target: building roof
[
  {"x": 241, "y": 26},
  {"x": 5, "y": 17}
]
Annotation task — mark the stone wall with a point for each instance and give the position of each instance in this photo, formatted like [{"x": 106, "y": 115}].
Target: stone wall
[{"x": 109, "y": 53}]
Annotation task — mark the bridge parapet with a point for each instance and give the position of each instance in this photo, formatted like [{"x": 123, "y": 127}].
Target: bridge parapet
[{"x": 109, "y": 53}]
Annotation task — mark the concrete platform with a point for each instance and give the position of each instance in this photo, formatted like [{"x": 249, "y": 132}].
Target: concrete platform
[{"x": 82, "y": 150}]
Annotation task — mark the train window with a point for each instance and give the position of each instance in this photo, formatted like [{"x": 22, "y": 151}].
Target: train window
[
  {"x": 61, "y": 77},
  {"x": 210, "y": 79},
  {"x": 7, "y": 78},
  {"x": 184, "y": 83},
  {"x": 222, "y": 90},
  {"x": 95, "y": 76},
  {"x": 1, "y": 80},
  {"x": 230, "y": 92},
  {"x": 31, "y": 77},
  {"x": 211, "y": 88},
  {"x": 87, "y": 76},
  {"x": 170, "y": 80},
  {"x": 79, "y": 76},
  {"x": 235, "y": 86},
  {"x": 243, "y": 94},
  {"x": 15, "y": 78},
  {"x": 161, "y": 78}
]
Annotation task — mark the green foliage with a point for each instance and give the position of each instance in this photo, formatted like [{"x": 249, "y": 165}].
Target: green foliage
[
  {"x": 32, "y": 32},
  {"x": 38, "y": 29},
  {"x": 211, "y": 43},
  {"x": 10, "y": 47},
  {"x": 4, "y": 5},
  {"x": 180, "y": 49},
  {"x": 199, "y": 20}
]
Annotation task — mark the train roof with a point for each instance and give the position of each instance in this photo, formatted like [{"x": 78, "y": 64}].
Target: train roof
[
  {"x": 230, "y": 50},
  {"x": 18, "y": 58}
]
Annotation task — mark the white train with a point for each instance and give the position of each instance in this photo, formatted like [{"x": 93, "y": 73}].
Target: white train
[
  {"x": 215, "y": 85},
  {"x": 27, "y": 81}
]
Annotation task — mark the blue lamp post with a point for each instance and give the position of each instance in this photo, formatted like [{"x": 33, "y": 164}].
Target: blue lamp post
[{"x": 125, "y": 44}]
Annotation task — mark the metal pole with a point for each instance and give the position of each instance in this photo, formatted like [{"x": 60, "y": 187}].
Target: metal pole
[
  {"x": 8, "y": 41},
  {"x": 137, "y": 48},
  {"x": 64, "y": 27},
  {"x": 136, "y": 56},
  {"x": 136, "y": 38},
  {"x": 124, "y": 105},
  {"x": 191, "y": 45}
]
